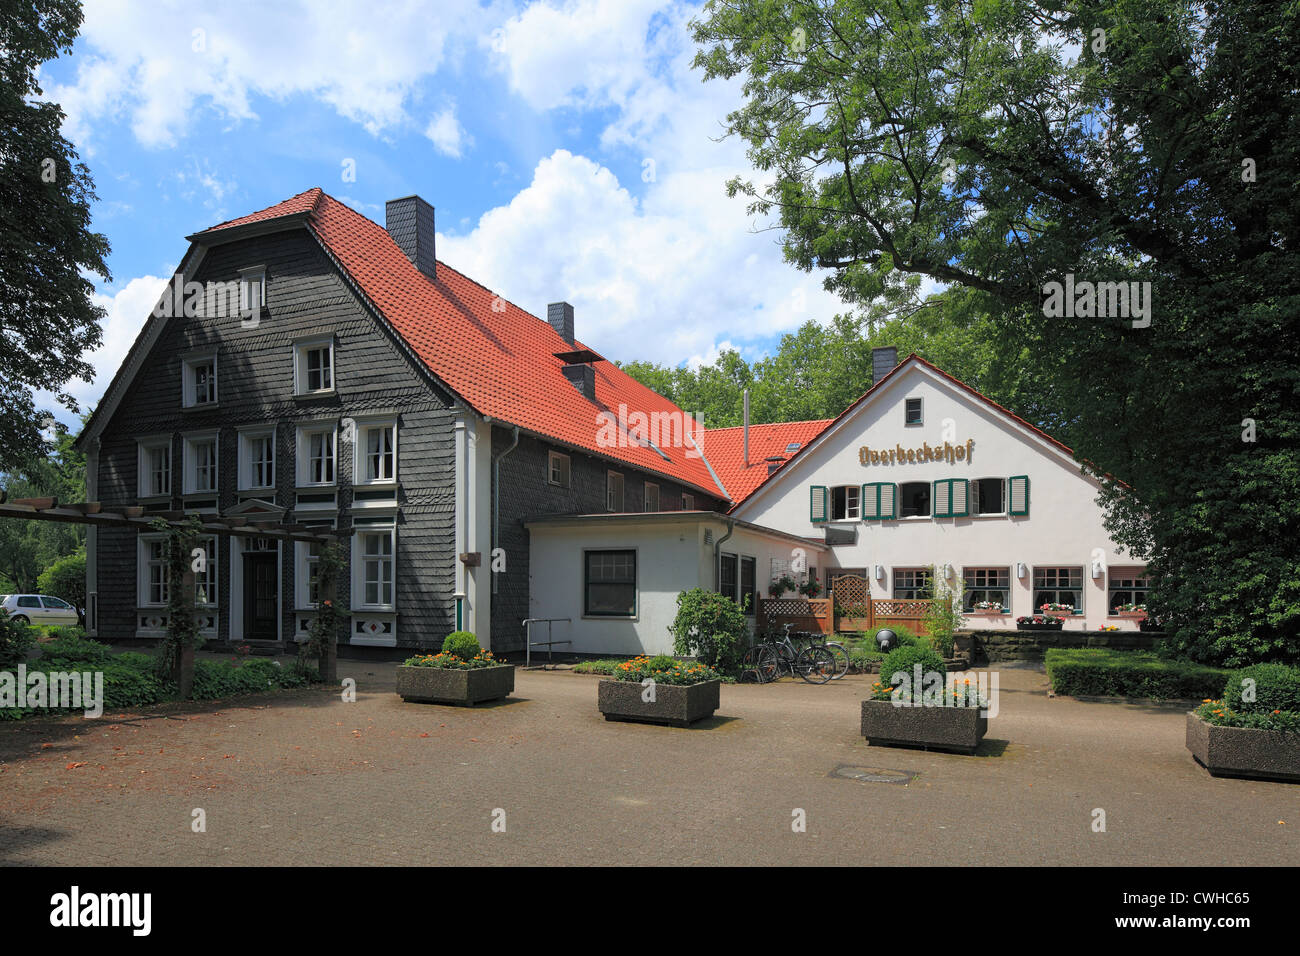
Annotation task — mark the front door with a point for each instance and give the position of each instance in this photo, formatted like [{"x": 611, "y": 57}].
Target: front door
[{"x": 259, "y": 596}]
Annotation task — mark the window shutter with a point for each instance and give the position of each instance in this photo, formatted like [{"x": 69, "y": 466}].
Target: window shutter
[
  {"x": 870, "y": 503},
  {"x": 1018, "y": 495},
  {"x": 943, "y": 498},
  {"x": 960, "y": 494},
  {"x": 888, "y": 500},
  {"x": 817, "y": 503}
]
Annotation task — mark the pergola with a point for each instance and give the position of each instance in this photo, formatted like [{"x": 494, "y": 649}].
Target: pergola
[{"x": 136, "y": 517}]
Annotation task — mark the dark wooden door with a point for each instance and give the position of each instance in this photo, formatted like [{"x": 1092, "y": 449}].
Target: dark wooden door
[{"x": 259, "y": 597}]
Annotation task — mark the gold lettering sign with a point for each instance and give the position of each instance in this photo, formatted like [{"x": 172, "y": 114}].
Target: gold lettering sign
[{"x": 947, "y": 452}]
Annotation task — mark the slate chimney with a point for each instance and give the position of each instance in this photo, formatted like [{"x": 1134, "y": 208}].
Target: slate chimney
[
  {"x": 410, "y": 222},
  {"x": 560, "y": 317},
  {"x": 583, "y": 378},
  {"x": 882, "y": 362}
]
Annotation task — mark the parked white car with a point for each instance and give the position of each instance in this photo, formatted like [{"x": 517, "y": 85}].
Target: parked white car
[{"x": 39, "y": 609}]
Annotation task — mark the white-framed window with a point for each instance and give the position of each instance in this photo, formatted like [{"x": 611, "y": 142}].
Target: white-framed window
[
  {"x": 688, "y": 502},
  {"x": 651, "y": 496},
  {"x": 613, "y": 491},
  {"x": 913, "y": 413},
  {"x": 376, "y": 453},
  {"x": 987, "y": 590},
  {"x": 256, "y": 459},
  {"x": 155, "y": 464},
  {"x": 151, "y": 570},
  {"x": 914, "y": 499},
  {"x": 913, "y": 584},
  {"x": 316, "y": 454},
  {"x": 989, "y": 495},
  {"x": 313, "y": 366},
  {"x": 1059, "y": 586},
  {"x": 199, "y": 378},
  {"x": 1126, "y": 588},
  {"x": 252, "y": 289},
  {"x": 200, "y": 463},
  {"x": 557, "y": 469},
  {"x": 374, "y": 552},
  {"x": 846, "y": 502},
  {"x": 306, "y": 573},
  {"x": 205, "y": 582}
]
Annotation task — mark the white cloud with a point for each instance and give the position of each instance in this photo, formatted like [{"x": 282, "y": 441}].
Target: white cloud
[
  {"x": 158, "y": 65},
  {"x": 446, "y": 133},
  {"x": 128, "y": 309}
]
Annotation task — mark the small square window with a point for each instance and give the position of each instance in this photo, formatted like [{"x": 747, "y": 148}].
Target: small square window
[
  {"x": 912, "y": 412},
  {"x": 557, "y": 470},
  {"x": 199, "y": 382},
  {"x": 314, "y": 367},
  {"x": 688, "y": 502}
]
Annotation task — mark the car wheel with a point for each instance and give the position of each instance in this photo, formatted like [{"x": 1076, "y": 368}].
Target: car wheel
[{"x": 20, "y": 619}]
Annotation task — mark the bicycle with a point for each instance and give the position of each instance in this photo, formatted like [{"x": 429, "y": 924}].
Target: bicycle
[
  {"x": 837, "y": 651},
  {"x": 777, "y": 653}
]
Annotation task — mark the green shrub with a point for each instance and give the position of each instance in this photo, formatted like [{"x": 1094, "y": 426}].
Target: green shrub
[
  {"x": 461, "y": 644},
  {"x": 905, "y": 658},
  {"x": 1276, "y": 687},
  {"x": 710, "y": 627},
  {"x": 603, "y": 666},
  {"x": 126, "y": 686},
  {"x": 71, "y": 644},
  {"x": 66, "y": 578},
  {"x": 146, "y": 663},
  {"x": 1101, "y": 672},
  {"x": 16, "y": 639}
]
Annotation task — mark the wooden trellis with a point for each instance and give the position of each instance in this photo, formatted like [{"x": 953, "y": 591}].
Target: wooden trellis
[{"x": 137, "y": 518}]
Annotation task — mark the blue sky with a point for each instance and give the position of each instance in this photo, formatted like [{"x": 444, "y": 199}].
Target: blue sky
[{"x": 570, "y": 151}]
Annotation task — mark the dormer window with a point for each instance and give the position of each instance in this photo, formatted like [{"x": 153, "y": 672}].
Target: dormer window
[{"x": 252, "y": 289}]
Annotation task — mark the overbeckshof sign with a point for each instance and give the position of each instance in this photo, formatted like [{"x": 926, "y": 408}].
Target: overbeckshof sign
[{"x": 899, "y": 455}]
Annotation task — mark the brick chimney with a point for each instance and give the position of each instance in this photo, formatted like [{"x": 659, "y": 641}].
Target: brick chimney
[{"x": 409, "y": 221}]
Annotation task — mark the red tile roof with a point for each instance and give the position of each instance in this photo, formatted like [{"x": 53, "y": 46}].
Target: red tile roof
[
  {"x": 725, "y": 450},
  {"x": 501, "y": 362}
]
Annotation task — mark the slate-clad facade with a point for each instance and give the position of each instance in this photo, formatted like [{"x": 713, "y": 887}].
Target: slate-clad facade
[{"x": 321, "y": 367}]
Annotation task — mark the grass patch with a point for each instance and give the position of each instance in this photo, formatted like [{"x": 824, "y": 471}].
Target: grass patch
[{"x": 1101, "y": 672}]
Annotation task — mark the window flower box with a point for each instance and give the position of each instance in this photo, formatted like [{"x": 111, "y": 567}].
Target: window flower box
[{"x": 1040, "y": 622}]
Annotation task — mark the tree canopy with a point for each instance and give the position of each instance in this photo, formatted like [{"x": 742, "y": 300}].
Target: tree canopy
[{"x": 1006, "y": 145}]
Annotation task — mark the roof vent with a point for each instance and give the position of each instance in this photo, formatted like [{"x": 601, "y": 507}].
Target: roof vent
[
  {"x": 560, "y": 317},
  {"x": 409, "y": 221},
  {"x": 774, "y": 462}
]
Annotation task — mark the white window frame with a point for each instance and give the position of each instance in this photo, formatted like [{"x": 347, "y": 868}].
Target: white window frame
[
  {"x": 852, "y": 503},
  {"x": 688, "y": 502},
  {"x": 190, "y": 485},
  {"x": 359, "y": 560},
  {"x": 1079, "y": 610},
  {"x": 361, "y": 451},
  {"x": 974, "y": 498},
  {"x": 246, "y": 460},
  {"x": 145, "y": 448},
  {"x": 552, "y": 459},
  {"x": 303, "y": 561},
  {"x": 144, "y": 567},
  {"x": 211, "y": 545},
  {"x": 300, "y": 376},
  {"x": 304, "y": 458},
  {"x": 610, "y": 485},
  {"x": 189, "y": 366},
  {"x": 246, "y": 278},
  {"x": 646, "y": 503}
]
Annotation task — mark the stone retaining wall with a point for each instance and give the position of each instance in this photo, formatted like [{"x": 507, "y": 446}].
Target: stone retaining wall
[{"x": 988, "y": 646}]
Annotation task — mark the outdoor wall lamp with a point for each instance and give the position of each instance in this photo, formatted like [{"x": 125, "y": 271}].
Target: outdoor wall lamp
[
  {"x": 1096, "y": 569},
  {"x": 880, "y": 572},
  {"x": 1020, "y": 569}
]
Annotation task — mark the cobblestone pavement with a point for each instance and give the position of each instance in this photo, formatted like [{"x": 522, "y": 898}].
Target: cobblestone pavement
[{"x": 304, "y": 778}]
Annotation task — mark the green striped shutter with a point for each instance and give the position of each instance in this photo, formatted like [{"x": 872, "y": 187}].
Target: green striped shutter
[
  {"x": 817, "y": 503},
  {"x": 888, "y": 500},
  {"x": 960, "y": 497},
  {"x": 870, "y": 503},
  {"x": 1018, "y": 495},
  {"x": 942, "y": 498},
  {"x": 951, "y": 498}
]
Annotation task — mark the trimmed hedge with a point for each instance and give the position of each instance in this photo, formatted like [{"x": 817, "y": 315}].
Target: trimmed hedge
[
  {"x": 1101, "y": 672},
  {"x": 461, "y": 644},
  {"x": 1277, "y": 687},
  {"x": 905, "y": 658}
]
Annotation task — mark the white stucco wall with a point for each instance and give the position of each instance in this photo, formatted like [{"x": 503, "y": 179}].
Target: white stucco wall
[{"x": 1063, "y": 527}]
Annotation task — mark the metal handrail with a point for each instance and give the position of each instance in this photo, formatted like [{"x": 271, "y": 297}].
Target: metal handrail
[{"x": 549, "y": 645}]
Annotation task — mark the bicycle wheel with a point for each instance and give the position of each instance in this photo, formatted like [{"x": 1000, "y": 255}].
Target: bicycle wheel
[
  {"x": 816, "y": 665},
  {"x": 841, "y": 659},
  {"x": 767, "y": 665}
]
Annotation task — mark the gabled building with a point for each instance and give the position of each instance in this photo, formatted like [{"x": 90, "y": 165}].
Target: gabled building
[{"x": 488, "y": 469}]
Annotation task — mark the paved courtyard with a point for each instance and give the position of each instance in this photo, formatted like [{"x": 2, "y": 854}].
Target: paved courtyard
[{"x": 304, "y": 778}]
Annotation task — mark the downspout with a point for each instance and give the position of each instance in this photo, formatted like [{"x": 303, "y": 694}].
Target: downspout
[
  {"x": 717, "y": 554},
  {"x": 496, "y": 501}
]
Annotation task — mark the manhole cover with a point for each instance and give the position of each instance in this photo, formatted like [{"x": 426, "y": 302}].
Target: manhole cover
[{"x": 874, "y": 774}]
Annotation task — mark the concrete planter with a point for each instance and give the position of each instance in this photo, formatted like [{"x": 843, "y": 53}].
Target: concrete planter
[
  {"x": 445, "y": 685},
  {"x": 679, "y": 706},
  {"x": 958, "y": 729},
  {"x": 1243, "y": 751}
]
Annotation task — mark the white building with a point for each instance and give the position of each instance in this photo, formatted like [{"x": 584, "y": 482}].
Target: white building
[{"x": 922, "y": 471}]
